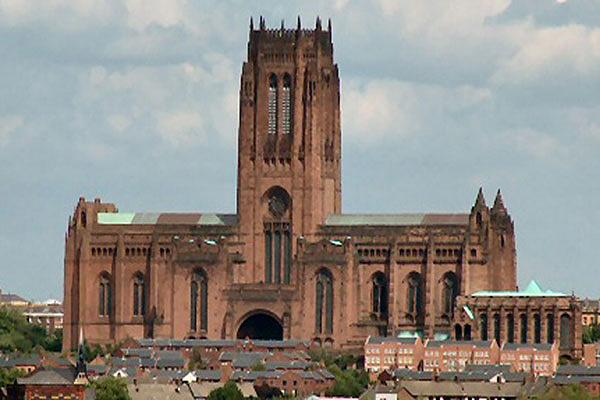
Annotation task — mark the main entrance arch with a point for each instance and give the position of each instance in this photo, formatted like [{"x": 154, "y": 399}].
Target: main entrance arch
[{"x": 260, "y": 325}]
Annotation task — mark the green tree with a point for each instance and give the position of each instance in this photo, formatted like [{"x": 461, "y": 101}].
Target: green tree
[
  {"x": 196, "y": 361},
  {"x": 570, "y": 392},
  {"x": 111, "y": 389},
  {"x": 229, "y": 391},
  {"x": 18, "y": 335},
  {"x": 259, "y": 367},
  {"x": 348, "y": 382},
  {"x": 9, "y": 376},
  {"x": 591, "y": 334}
]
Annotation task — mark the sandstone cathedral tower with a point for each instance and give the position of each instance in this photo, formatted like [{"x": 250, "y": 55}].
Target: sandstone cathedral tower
[{"x": 288, "y": 264}]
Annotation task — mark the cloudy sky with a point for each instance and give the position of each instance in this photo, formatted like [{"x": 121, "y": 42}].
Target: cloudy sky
[{"x": 135, "y": 102}]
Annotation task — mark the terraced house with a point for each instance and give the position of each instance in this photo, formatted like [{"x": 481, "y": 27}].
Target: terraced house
[{"x": 288, "y": 263}]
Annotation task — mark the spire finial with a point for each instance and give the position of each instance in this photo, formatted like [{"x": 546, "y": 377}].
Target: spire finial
[
  {"x": 480, "y": 201},
  {"x": 499, "y": 207},
  {"x": 329, "y": 25},
  {"x": 251, "y": 24},
  {"x": 282, "y": 25},
  {"x": 318, "y": 24},
  {"x": 299, "y": 26}
]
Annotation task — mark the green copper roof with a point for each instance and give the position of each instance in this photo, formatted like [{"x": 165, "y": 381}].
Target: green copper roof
[
  {"x": 396, "y": 219},
  {"x": 166, "y": 219},
  {"x": 532, "y": 290}
]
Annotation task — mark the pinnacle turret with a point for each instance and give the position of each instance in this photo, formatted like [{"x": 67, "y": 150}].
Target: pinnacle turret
[
  {"x": 480, "y": 201},
  {"x": 499, "y": 207}
]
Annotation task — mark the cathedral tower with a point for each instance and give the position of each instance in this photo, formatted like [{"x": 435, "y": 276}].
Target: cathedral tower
[{"x": 289, "y": 172}]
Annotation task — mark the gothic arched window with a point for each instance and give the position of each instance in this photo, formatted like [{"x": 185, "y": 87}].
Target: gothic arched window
[
  {"x": 510, "y": 328},
  {"x": 565, "y": 331},
  {"x": 450, "y": 290},
  {"x": 380, "y": 294},
  {"x": 324, "y": 303},
  {"x": 523, "y": 328},
  {"x": 483, "y": 327},
  {"x": 139, "y": 295},
  {"x": 287, "y": 104},
  {"x": 550, "y": 328},
  {"x": 273, "y": 100},
  {"x": 199, "y": 301},
  {"x": 278, "y": 237},
  {"x": 415, "y": 294},
  {"x": 497, "y": 328},
  {"x": 537, "y": 328},
  {"x": 105, "y": 296}
]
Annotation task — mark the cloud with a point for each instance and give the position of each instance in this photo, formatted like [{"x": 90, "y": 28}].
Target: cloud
[
  {"x": 181, "y": 128},
  {"x": 9, "y": 124}
]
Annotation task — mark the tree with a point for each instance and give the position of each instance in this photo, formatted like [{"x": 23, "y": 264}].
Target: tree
[
  {"x": 348, "y": 383},
  {"x": 229, "y": 391},
  {"x": 591, "y": 334},
  {"x": 196, "y": 361},
  {"x": 111, "y": 389},
  {"x": 570, "y": 392},
  {"x": 9, "y": 376},
  {"x": 18, "y": 335}
]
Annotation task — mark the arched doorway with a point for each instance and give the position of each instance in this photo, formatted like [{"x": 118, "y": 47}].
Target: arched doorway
[{"x": 260, "y": 326}]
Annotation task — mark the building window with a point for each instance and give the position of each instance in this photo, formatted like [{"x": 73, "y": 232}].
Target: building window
[
  {"x": 550, "y": 328},
  {"x": 105, "y": 296},
  {"x": 272, "y": 105},
  {"x": 287, "y": 104},
  {"x": 199, "y": 301},
  {"x": 497, "y": 328},
  {"x": 565, "y": 331},
  {"x": 278, "y": 237},
  {"x": 510, "y": 328},
  {"x": 537, "y": 329},
  {"x": 380, "y": 294},
  {"x": 483, "y": 327},
  {"x": 467, "y": 333},
  {"x": 139, "y": 295},
  {"x": 450, "y": 291},
  {"x": 458, "y": 334},
  {"x": 324, "y": 303},
  {"x": 523, "y": 328},
  {"x": 415, "y": 295}
]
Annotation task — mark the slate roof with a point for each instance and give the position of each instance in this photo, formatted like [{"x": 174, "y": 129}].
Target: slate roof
[
  {"x": 50, "y": 376},
  {"x": 462, "y": 389},
  {"x": 245, "y": 358},
  {"x": 121, "y": 218},
  {"x": 396, "y": 219},
  {"x": 142, "y": 353},
  {"x": 407, "y": 374},
  {"x": 254, "y": 375},
  {"x": 536, "y": 346},
  {"x": 170, "y": 363},
  {"x": 208, "y": 375},
  {"x": 296, "y": 364},
  {"x": 577, "y": 370},
  {"x": 390, "y": 339},
  {"x": 156, "y": 391},
  {"x": 445, "y": 343}
]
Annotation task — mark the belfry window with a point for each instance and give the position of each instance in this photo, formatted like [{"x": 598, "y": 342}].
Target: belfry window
[
  {"x": 324, "y": 303},
  {"x": 523, "y": 328},
  {"x": 139, "y": 301},
  {"x": 105, "y": 297},
  {"x": 483, "y": 327},
  {"x": 273, "y": 100},
  {"x": 550, "y": 328},
  {"x": 199, "y": 301},
  {"x": 497, "y": 328},
  {"x": 380, "y": 296},
  {"x": 510, "y": 328},
  {"x": 287, "y": 104}
]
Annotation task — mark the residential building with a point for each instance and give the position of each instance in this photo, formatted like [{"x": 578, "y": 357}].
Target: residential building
[
  {"x": 539, "y": 359},
  {"x": 441, "y": 356}
]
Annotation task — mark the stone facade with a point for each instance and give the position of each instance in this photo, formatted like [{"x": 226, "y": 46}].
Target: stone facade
[
  {"x": 521, "y": 318},
  {"x": 288, "y": 263}
]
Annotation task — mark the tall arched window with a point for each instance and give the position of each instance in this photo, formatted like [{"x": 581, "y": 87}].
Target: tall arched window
[
  {"x": 415, "y": 295},
  {"x": 550, "y": 328},
  {"x": 278, "y": 236},
  {"x": 450, "y": 290},
  {"x": 537, "y": 328},
  {"x": 565, "y": 331},
  {"x": 139, "y": 295},
  {"x": 273, "y": 100},
  {"x": 324, "y": 303},
  {"x": 380, "y": 294},
  {"x": 483, "y": 327},
  {"x": 105, "y": 296},
  {"x": 510, "y": 328},
  {"x": 467, "y": 333},
  {"x": 287, "y": 104},
  {"x": 523, "y": 328},
  {"x": 199, "y": 301},
  {"x": 497, "y": 328}
]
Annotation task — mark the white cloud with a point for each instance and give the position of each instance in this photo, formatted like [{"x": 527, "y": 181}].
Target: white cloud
[
  {"x": 119, "y": 122},
  {"x": 164, "y": 13},
  {"x": 181, "y": 128},
  {"x": 9, "y": 124},
  {"x": 539, "y": 145}
]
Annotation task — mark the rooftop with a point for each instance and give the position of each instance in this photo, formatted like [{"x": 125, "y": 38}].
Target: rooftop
[
  {"x": 396, "y": 219},
  {"x": 105, "y": 218},
  {"x": 532, "y": 290}
]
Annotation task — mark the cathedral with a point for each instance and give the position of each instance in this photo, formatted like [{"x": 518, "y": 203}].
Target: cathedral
[{"x": 288, "y": 264}]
